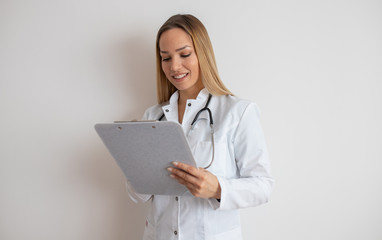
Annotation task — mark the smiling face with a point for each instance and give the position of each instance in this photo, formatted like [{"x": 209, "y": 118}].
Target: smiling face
[{"x": 179, "y": 61}]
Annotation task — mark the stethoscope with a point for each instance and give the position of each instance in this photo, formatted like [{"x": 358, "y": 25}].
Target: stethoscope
[{"x": 196, "y": 120}]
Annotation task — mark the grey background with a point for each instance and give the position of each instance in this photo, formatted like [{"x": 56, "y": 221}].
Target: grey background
[{"x": 313, "y": 67}]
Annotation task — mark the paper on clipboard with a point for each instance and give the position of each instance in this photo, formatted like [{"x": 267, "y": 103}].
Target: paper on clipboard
[{"x": 144, "y": 151}]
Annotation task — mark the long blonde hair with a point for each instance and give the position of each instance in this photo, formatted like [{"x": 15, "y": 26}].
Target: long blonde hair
[{"x": 204, "y": 51}]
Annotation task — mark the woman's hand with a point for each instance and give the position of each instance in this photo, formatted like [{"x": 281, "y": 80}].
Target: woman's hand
[{"x": 200, "y": 182}]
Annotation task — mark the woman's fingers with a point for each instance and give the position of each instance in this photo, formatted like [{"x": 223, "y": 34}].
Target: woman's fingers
[
  {"x": 183, "y": 176},
  {"x": 187, "y": 168},
  {"x": 200, "y": 182}
]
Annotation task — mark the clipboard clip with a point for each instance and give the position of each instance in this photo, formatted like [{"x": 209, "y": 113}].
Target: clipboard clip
[{"x": 135, "y": 120}]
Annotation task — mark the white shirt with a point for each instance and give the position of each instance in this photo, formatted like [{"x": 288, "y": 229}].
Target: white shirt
[{"x": 241, "y": 165}]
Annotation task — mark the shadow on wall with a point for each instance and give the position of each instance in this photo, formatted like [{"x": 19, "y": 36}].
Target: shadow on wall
[
  {"x": 139, "y": 73},
  {"x": 140, "y": 77},
  {"x": 135, "y": 58}
]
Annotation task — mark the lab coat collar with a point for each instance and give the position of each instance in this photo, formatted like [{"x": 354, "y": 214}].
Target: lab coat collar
[
  {"x": 174, "y": 98},
  {"x": 203, "y": 94},
  {"x": 171, "y": 110}
]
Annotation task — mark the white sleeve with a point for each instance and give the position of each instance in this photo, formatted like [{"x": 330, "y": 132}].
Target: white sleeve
[
  {"x": 254, "y": 185},
  {"x": 136, "y": 197}
]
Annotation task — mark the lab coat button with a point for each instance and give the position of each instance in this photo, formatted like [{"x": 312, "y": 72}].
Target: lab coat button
[
  {"x": 175, "y": 232},
  {"x": 167, "y": 110},
  {"x": 189, "y": 104}
]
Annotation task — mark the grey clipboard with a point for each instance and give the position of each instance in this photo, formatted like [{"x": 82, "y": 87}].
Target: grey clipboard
[{"x": 144, "y": 150}]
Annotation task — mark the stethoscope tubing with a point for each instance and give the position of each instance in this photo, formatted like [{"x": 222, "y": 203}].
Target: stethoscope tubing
[{"x": 194, "y": 121}]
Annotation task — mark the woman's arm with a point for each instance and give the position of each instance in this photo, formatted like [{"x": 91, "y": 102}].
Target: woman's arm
[
  {"x": 254, "y": 185},
  {"x": 136, "y": 197}
]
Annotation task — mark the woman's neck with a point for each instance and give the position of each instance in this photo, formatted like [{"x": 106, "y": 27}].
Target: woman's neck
[{"x": 189, "y": 93}]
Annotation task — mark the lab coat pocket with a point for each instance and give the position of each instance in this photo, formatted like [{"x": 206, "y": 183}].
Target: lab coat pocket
[{"x": 203, "y": 157}]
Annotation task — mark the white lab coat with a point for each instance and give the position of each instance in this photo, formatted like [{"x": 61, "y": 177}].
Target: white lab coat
[{"x": 241, "y": 165}]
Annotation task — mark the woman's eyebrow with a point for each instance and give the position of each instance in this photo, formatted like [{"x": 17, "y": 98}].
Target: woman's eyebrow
[{"x": 176, "y": 50}]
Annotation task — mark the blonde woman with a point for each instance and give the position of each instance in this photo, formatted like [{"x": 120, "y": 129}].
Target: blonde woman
[{"x": 223, "y": 132}]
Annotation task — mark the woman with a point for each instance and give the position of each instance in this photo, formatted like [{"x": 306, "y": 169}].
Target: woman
[{"x": 233, "y": 160}]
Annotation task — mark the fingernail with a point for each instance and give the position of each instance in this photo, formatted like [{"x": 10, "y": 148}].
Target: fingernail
[
  {"x": 169, "y": 169},
  {"x": 175, "y": 163},
  {"x": 172, "y": 176}
]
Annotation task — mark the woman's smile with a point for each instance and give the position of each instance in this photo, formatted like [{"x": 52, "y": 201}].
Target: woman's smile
[{"x": 180, "y": 77}]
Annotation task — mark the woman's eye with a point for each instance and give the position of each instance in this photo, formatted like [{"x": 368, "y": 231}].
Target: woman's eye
[
  {"x": 185, "y": 55},
  {"x": 166, "y": 59}
]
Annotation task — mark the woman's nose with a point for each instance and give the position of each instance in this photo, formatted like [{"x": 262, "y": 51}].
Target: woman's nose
[{"x": 175, "y": 64}]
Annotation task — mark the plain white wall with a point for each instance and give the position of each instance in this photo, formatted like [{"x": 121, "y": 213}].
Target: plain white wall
[{"x": 313, "y": 67}]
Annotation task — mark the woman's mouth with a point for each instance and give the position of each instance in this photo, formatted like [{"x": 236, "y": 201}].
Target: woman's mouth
[{"x": 179, "y": 77}]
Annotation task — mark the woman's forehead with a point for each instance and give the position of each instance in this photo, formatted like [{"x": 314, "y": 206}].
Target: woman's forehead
[{"x": 174, "y": 39}]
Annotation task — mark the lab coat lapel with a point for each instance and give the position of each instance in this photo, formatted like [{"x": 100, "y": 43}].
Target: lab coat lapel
[{"x": 171, "y": 110}]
